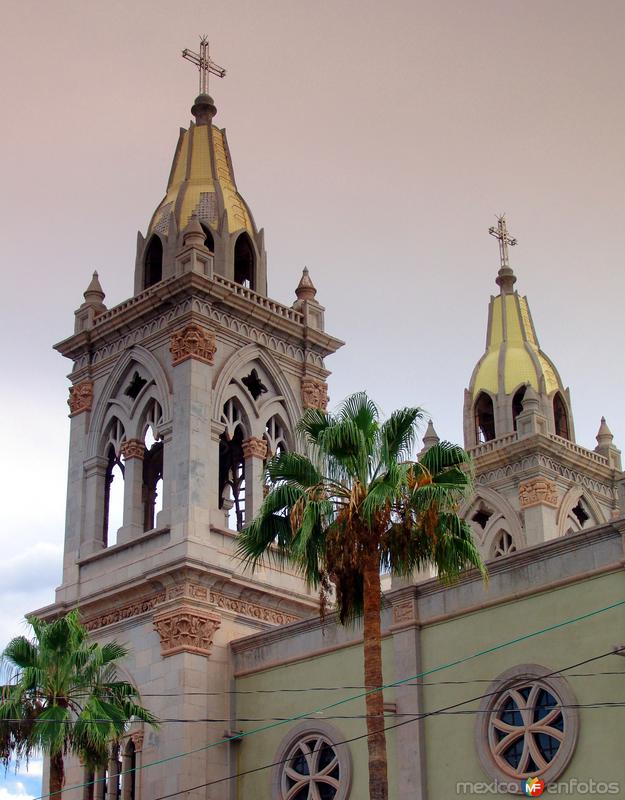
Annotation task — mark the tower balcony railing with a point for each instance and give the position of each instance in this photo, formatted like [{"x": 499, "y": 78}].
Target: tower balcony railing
[
  {"x": 496, "y": 444},
  {"x": 241, "y": 291},
  {"x": 579, "y": 450},
  {"x": 264, "y": 302}
]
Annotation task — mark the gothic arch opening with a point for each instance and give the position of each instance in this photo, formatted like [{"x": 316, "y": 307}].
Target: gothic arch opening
[
  {"x": 517, "y": 404},
  {"x": 153, "y": 264},
  {"x": 484, "y": 419},
  {"x": 209, "y": 242},
  {"x": 561, "y": 417},
  {"x": 232, "y": 465},
  {"x": 244, "y": 261},
  {"x": 152, "y": 488},
  {"x": 113, "y": 497}
]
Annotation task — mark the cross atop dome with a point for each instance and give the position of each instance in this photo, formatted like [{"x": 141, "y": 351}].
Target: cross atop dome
[
  {"x": 506, "y": 277},
  {"x": 206, "y": 66}
]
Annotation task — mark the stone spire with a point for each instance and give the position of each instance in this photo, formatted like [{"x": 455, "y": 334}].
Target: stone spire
[
  {"x": 604, "y": 435},
  {"x": 606, "y": 447},
  {"x": 305, "y": 288},
  {"x": 193, "y": 235},
  {"x": 430, "y": 438},
  {"x": 94, "y": 293},
  {"x": 92, "y": 307}
]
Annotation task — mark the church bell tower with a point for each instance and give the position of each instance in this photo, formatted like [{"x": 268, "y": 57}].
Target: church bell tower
[
  {"x": 178, "y": 397},
  {"x": 533, "y": 482}
]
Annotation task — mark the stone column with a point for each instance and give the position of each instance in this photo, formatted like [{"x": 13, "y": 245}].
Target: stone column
[
  {"x": 132, "y": 451},
  {"x": 92, "y": 538},
  {"x": 254, "y": 452},
  {"x": 112, "y": 785},
  {"x": 80, "y": 402},
  {"x": 538, "y": 500},
  {"x": 100, "y": 785},
  {"x": 192, "y": 349}
]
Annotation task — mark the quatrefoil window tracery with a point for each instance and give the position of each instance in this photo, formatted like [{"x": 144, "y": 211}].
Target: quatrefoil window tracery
[
  {"x": 312, "y": 770},
  {"x": 527, "y": 729}
]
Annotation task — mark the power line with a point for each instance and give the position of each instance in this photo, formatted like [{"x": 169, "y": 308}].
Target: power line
[
  {"x": 416, "y": 718},
  {"x": 597, "y": 704},
  {"x": 439, "y": 668}
]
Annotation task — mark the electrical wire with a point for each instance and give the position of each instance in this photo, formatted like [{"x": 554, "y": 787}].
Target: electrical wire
[
  {"x": 415, "y": 718},
  {"x": 439, "y": 668}
]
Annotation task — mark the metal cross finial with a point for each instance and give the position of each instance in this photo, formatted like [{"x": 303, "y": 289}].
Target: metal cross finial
[
  {"x": 204, "y": 64},
  {"x": 501, "y": 233}
]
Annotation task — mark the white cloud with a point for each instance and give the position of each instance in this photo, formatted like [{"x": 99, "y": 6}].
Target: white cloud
[
  {"x": 34, "y": 768},
  {"x": 15, "y": 792}
]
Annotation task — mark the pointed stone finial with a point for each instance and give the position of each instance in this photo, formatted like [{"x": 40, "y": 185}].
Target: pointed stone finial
[
  {"x": 430, "y": 438},
  {"x": 604, "y": 435},
  {"x": 94, "y": 294},
  {"x": 305, "y": 288},
  {"x": 531, "y": 400},
  {"x": 193, "y": 235}
]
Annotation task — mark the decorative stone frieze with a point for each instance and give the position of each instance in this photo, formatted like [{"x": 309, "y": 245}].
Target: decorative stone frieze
[
  {"x": 132, "y": 448},
  {"x": 537, "y": 491},
  {"x": 193, "y": 591},
  {"x": 314, "y": 393},
  {"x": 186, "y": 629},
  {"x": 193, "y": 342},
  {"x": 80, "y": 397},
  {"x": 254, "y": 448}
]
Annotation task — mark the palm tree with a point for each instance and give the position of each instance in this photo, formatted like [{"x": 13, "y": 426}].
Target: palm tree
[
  {"x": 63, "y": 697},
  {"x": 358, "y": 506}
]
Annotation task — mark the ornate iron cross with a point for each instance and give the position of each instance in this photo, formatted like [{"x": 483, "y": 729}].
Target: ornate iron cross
[
  {"x": 205, "y": 65},
  {"x": 501, "y": 233}
]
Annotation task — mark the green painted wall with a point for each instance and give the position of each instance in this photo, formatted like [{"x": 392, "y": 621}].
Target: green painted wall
[
  {"x": 451, "y": 754},
  {"x": 341, "y": 668}
]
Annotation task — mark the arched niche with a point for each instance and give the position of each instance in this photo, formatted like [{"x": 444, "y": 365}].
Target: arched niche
[
  {"x": 517, "y": 404},
  {"x": 561, "y": 422},
  {"x": 153, "y": 262},
  {"x": 209, "y": 241},
  {"x": 484, "y": 412},
  {"x": 245, "y": 261}
]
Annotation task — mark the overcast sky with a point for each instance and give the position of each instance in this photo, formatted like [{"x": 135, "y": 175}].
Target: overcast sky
[{"x": 374, "y": 142}]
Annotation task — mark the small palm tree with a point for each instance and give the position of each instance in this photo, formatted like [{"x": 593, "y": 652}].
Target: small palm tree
[
  {"x": 63, "y": 697},
  {"x": 358, "y": 506}
]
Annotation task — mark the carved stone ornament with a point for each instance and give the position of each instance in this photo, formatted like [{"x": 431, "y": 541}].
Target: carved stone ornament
[
  {"x": 186, "y": 630},
  {"x": 132, "y": 448},
  {"x": 192, "y": 342},
  {"x": 80, "y": 397},
  {"x": 403, "y": 612},
  {"x": 537, "y": 491},
  {"x": 314, "y": 394},
  {"x": 254, "y": 448},
  {"x": 137, "y": 740},
  {"x": 192, "y": 591}
]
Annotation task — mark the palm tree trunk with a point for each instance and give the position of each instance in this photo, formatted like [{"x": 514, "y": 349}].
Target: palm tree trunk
[
  {"x": 376, "y": 738},
  {"x": 57, "y": 775}
]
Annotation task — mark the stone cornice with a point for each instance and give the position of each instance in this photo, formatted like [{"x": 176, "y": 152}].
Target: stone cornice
[
  {"x": 222, "y": 295},
  {"x": 417, "y": 604},
  {"x": 189, "y": 593},
  {"x": 567, "y": 454}
]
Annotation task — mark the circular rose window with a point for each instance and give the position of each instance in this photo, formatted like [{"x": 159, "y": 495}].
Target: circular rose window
[
  {"x": 527, "y": 725},
  {"x": 310, "y": 766}
]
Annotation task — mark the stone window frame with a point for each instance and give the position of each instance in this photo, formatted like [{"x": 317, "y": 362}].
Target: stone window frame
[
  {"x": 555, "y": 685},
  {"x": 306, "y": 730}
]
